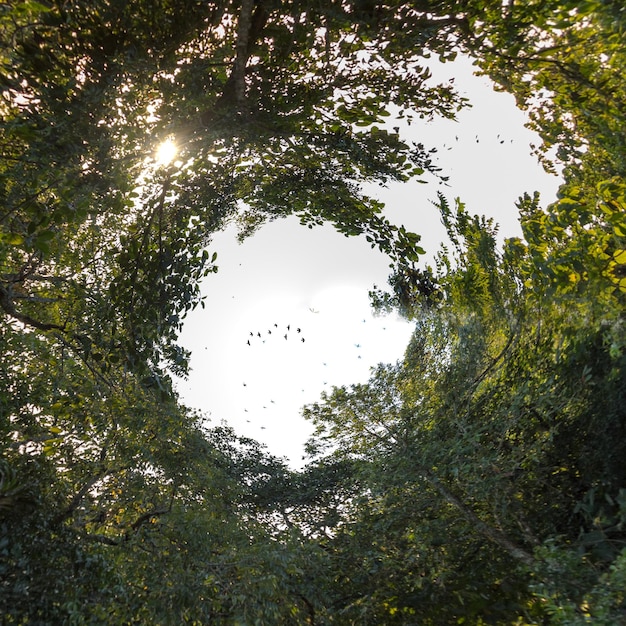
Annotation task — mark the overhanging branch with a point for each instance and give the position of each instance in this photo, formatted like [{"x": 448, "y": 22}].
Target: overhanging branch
[
  {"x": 493, "y": 534},
  {"x": 7, "y": 305}
]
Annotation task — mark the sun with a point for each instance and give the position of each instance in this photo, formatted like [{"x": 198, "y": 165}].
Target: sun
[{"x": 166, "y": 152}]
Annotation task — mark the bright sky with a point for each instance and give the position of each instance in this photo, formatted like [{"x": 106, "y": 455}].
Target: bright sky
[{"x": 288, "y": 277}]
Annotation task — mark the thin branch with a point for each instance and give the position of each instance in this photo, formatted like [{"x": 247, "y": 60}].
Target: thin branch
[
  {"x": 81, "y": 355},
  {"x": 158, "y": 210},
  {"x": 80, "y": 494},
  {"x": 29, "y": 199},
  {"x": 95, "y": 538},
  {"x": 146, "y": 517}
]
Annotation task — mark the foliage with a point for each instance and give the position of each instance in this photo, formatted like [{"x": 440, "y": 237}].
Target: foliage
[
  {"x": 117, "y": 504},
  {"x": 499, "y": 434},
  {"x": 562, "y": 60},
  {"x": 479, "y": 480}
]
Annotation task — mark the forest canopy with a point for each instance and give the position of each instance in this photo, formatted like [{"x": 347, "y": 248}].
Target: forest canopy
[{"x": 479, "y": 480}]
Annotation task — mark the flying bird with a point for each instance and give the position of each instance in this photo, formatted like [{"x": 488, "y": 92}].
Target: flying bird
[
  {"x": 258, "y": 334},
  {"x": 297, "y": 330},
  {"x": 288, "y": 327},
  {"x": 249, "y": 342},
  {"x": 302, "y": 340},
  {"x": 285, "y": 335}
]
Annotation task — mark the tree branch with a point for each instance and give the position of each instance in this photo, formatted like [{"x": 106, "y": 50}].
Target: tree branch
[
  {"x": 7, "y": 305},
  {"x": 146, "y": 517},
  {"x": 242, "y": 48},
  {"x": 107, "y": 541},
  {"x": 79, "y": 495},
  {"x": 249, "y": 28},
  {"x": 493, "y": 534}
]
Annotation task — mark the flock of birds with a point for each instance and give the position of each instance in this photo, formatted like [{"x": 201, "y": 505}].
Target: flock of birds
[
  {"x": 255, "y": 336},
  {"x": 284, "y": 332},
  {"x": 256, "y": 399},
  {"x": 499, "y": 139}
]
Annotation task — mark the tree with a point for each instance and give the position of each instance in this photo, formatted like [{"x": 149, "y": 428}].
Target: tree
[
  {"x": 562, "y": 62},
  {"x": 491, "y": 442},
  {"x": 275, "y": 110}
]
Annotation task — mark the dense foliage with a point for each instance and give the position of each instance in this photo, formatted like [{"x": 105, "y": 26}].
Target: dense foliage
[{"x": 479, "y": 480}]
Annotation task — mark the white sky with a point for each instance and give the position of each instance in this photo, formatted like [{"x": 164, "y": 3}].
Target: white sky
[{"x": 317, "y": 280}]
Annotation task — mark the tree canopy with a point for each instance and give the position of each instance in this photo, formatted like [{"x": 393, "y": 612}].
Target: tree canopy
[{"x": 481, "y": 479}]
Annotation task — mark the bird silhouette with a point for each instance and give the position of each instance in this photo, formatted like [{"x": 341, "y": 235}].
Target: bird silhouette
[
  {"x": 275, "y": 325},
  {"x": 297, "y": 330},
  {"x": 285, "y": 336},
  {"x": 269, "y": 332},
  {"x": 258, "y": 334},
  {"x": 248, "y": 342},
  {"x": 288, "y": 327}
]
